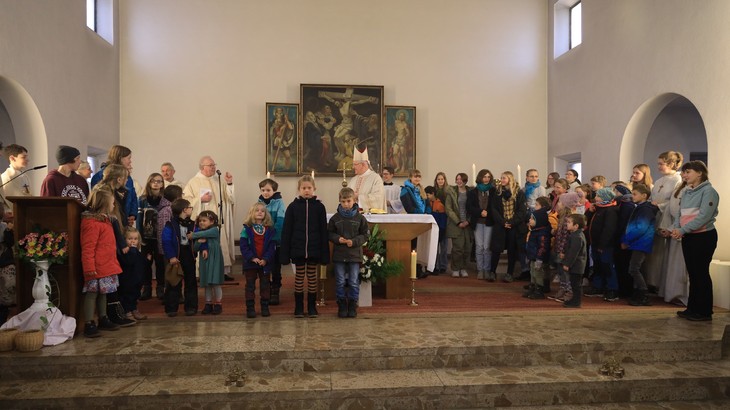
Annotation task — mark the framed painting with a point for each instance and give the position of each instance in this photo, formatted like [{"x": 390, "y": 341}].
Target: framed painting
[
  {"x": 399, "y": 142},
  {"x": 282, "y": 134},
  {"x": 336, "y": 118}
]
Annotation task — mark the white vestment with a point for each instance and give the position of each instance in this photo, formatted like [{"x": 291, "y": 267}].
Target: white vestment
[
  {"x": 195, "y": 189},
  {"x": 369, "y": 190},
  {"x": 19, "y": 187}
]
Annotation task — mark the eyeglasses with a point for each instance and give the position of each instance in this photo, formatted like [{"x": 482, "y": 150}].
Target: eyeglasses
[{"x": 209, "y": 165}]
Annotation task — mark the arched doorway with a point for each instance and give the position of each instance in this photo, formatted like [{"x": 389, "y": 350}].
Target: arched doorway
[
  {"x": 22, "y": 124},
  {"x": 666, "y": 122}
]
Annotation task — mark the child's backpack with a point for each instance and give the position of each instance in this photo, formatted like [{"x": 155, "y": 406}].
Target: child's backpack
[{"x": 149, "y": 224}]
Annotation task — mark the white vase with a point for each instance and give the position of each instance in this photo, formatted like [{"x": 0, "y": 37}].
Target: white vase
[
  {"x": 41, "y": 286},
  {"x": 366, "y": 294}
]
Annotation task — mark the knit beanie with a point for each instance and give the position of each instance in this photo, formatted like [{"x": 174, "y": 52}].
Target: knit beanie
[
  {"x": 569, "y": 200},
  {"x": 605, "y": 194},
  {"x": 66, "y": 154},
  {"x": 622, "y": 190}
]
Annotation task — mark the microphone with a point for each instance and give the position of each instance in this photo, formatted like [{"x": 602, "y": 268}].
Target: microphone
[
  {"x": 27, "y": 170},
  {"x": 218, "y": 171}
]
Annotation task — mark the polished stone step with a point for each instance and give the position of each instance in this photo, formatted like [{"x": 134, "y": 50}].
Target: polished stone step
[
  {"x": 444, "y": 388},
  {"x": 329, "y": 345}
]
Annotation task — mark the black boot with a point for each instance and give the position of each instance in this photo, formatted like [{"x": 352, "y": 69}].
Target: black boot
[
  {"x": 207, "y": 309},
  {"x": 274, "y": 300},
  {"x": 342, "y": 307},
  {"x": 352, "y": 308},
  {"x": 298, "y": 304},
  {"x": 250, "y": 309},
  {"x": 640, "y": 298},
  {"x": 265, "y": 308},
  {"x": 115, "y": 312},
  {"x": 146, "y": 293},
  {"x": 312, "y": 304}
]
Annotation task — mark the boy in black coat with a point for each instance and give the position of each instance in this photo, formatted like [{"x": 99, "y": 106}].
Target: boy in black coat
[{"x": 576, "y": 256}]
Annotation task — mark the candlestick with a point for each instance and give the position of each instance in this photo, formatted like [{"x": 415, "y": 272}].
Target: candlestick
[
  {"x": 323, "y": 271},
  {"x": 322, "y": 278},
  {"x": 413, "y": 265},
  {"x": 413, "y": 293},
  {"x": 519, "y": 175},
  {"x": 474, "y": 173}
]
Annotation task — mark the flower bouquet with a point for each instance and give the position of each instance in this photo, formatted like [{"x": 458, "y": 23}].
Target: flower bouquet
[
  {"x": 374, "y": 266},
  {"x": 44, "y": 246}
]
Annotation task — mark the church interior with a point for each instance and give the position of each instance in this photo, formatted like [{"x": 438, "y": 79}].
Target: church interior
[{"x": 495, "y": 83}]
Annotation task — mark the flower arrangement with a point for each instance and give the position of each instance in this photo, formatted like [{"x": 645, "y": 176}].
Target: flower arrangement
[
  {"x": 47, "y": 245},
  {"x": 374, "y": 266}
]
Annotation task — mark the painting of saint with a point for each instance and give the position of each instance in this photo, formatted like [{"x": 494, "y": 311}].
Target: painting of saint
[
  {"x": 400, "y": 140},
  {"x": 336, "y": 119},
  {"x": 281, "y": 138}
]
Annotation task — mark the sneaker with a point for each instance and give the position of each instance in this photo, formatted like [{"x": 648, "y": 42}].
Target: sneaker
[
  {"x": 90, "y": 330},
  {"x": 464, "y": 274},
  {"x": 507, "y": 278},
  {"x": 698, "y": 318},
  {"x": 171, "y": 314},
  {"x": 122, "y": 322},
  {"x": 491, "y": 277},
  {"x": 455, "y": 274},
  {"x": 611, "y": 296},
  {"x": 106, "y": 324},
  {"x": 559, "y": 296},
  {"x": 191, "y": 312},
  {"x": 536, "y": 294},
  {"x": 480, "y": 275},
  {"x": 593, "y": 293}
]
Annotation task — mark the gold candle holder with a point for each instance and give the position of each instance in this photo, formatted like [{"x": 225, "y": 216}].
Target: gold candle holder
[
  {"x": 322, "y": 277},
  {"x": 413, "y": 293}
]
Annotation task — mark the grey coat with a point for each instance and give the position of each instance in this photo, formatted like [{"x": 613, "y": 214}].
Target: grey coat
[{"x": 576, "y": 254}]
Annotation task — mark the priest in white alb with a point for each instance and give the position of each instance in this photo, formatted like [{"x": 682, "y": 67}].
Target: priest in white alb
[
  {"x": 204, "y": 193},
  {"x": 367, "y": 184}
]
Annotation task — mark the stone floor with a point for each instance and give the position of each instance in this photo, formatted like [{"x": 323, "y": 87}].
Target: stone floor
[{"x": 386, "y": 361}]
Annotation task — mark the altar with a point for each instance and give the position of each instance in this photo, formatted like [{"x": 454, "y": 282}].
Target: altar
[{"x": 398, "y": 231}]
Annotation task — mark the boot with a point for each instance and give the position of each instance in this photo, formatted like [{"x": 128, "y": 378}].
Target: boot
[
  {"x": 298, "y": 304},
  {"x": 529, "y": 289},
  {"x": 342, "y": 307},
  {"x": 90, "y": 330},
  {"x": 207, "y": 309},
  {"x": 146, "y": 293},
  {"x": 352, "y": 309},
  {"x": 265, "y": 308},
  {"x": 250, "y": 309},
  {"x": 106, "y": 324},
  {"x": 160, "y": 292},
  {"x": 217, "y": 308},
  {"x": 640, "y": 298},
  {"x": 115, "y": 313},
  {"x": 312, "y": 304},
  {"x": 274, "y": 299}
]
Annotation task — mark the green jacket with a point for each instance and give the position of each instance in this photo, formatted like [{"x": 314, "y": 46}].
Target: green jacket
[{"x": 452, "y": 212}]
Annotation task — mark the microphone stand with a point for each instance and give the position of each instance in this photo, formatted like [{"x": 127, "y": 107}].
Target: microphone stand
[
  {"x": 220, "y": 199},
  {"x": 23, "y": 172}
]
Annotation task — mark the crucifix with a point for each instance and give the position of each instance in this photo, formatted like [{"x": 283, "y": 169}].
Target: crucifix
[{"x": 344, "y": 170}]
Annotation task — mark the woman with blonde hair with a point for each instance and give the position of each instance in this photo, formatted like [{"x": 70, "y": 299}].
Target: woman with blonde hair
[
  {"x": 509, "y": 210},
  {"x": 641, "y": 174},
  {"x": 121, "y": 155}
]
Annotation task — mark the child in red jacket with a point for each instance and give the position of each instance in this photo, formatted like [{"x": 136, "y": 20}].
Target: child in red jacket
[{"x": 98, "y": 259}]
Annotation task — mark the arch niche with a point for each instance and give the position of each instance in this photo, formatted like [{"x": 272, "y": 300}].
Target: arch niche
[
  {"x": 666, "y": 122},
  {"x": 23, "y": 125}
]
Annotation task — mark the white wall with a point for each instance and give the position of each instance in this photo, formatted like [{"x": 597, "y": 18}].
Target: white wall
[
  {"x": 69, "y": 72},
  {"x": 195, "y": 77},
  {"x": 677, "y": 129},
  {"x": 632, "y": 52}
]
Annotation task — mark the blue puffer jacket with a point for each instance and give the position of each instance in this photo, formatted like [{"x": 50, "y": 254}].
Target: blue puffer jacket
[
  {"x": 411, "y": 199},
  {"x": 248, "y": 248},
  {"x": 277, "y": 209},
  {"x": 639, "y": 235}
]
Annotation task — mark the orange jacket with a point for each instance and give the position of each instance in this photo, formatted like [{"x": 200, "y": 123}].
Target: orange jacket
[{"x": 98, "y": 247}]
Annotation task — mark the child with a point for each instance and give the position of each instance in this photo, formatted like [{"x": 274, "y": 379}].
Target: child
[
  {"x": 133, "y": 269},
  {"x": 584, "y": 194},
  {"x": 304, "y": 242},
  {"x": 598, "y": 182},
  {"x": 98, "y": 260},
  {"x": 177, "y": 245},
  {"x": 164, "y": 215},
  {"x": 257, "y": 248},
  {"x": 538, "y": 248},
  {"x": 438, "y": 210},
  {"x": 411, "y": 194},
  {"x": 275, "y": 205},
  {"x": 602, "y": 233},
  {"x": 565, "y": 207},
  {"x": 210, "y": 266},
  {"x": 639, "y": 239},
  {"x": 478, "y": 205},
  {"x": 621, "y": 257},
  {"x": 149, "y": 205},
  {"x": 576, "y": 254},
  {"x": 348, "y": 230}
]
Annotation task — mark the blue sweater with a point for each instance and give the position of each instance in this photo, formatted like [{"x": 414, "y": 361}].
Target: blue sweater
[
  {"x": 277, "y": 210},
  {"x": 639, "y": 235},
  {"x": 698, "y": 209}
]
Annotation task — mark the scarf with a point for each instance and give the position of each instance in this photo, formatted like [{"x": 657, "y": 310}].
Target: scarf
[
  {"x": 530, "y": 188},
  {"x": 348, "y": 213},
  {"x": 484, "y": 187}
]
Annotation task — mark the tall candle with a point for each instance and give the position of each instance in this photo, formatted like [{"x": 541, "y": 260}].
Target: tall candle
[
  {"x": 268, "y": 175},
  {"x": 323, "y": 271},
  {"x": 519, "y": 175},
  {"x": 312, "y": 173},
  {"x": 474, "y": 173},
  {"x": 413, "y": 265}
]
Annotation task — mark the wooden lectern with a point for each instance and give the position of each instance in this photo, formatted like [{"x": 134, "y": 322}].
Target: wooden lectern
[
  {"x": 58, "y": 215},
  {"x": 398, "y": 238}
]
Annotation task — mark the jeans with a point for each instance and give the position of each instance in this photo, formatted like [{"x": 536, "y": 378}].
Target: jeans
[
  {"x": 350, "y": 272},
  {"x": 442, "y": 259},
  {"x": 698, "y": 249},
  {"x": 637, "y": 259},
  {"x": 604, "y": 274},
  {"x": 483, "y": 238}
]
